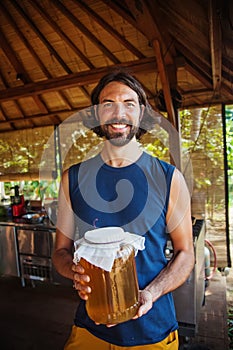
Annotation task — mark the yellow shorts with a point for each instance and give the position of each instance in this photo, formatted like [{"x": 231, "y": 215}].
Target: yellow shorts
[{"x": 81, "y": 339}]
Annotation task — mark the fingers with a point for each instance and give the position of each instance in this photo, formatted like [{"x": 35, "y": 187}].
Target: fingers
[
  {"x": 143, "y": 309},
  {"x": 81, "y": 281},
  {"x": 83, "y": 290},
  {"x": 146, "y": 303},
  {"x": 107, "y": 325},
  {"x": 78, "y": 268}
]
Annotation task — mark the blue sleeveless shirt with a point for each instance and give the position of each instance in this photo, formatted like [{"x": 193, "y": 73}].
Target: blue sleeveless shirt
[{"x": 136, "y": 198}]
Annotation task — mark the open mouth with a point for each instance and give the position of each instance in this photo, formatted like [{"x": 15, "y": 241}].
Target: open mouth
[
  {"x": 119, "y": 133},
  {"x": 119, "y": 127}
]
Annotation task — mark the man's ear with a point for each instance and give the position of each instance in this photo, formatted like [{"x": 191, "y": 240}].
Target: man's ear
[
  {"x": 96, "y": 112},
  {"x": 142, "y": 109}
]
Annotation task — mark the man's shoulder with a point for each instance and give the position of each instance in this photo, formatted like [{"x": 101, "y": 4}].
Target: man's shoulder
[
  {"x": 84, "y": 162},
  {"x": 157, "y": 161}
]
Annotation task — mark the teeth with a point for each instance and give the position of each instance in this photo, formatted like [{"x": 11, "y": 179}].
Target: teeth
[{"x": 119, "y": 126}]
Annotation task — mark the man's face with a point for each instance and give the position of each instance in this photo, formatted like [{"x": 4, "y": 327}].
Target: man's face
[{"x": 119, "y": 113}]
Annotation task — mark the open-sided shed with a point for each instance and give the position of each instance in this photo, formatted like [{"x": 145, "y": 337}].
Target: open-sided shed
[{"x": 53, "y": 52}]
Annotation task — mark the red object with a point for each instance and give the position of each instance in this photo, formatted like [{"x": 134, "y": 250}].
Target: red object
[{"x": 19, "y": 209}]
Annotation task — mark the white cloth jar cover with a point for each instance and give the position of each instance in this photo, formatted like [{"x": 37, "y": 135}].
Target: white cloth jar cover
[{"x": 100, "y": 246}]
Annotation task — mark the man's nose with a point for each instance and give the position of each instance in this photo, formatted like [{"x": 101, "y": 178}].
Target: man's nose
[{"x": 119, "y": 109}]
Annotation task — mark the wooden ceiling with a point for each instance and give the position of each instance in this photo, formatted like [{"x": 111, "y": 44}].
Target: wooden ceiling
[{"x": 53, "y": 52}]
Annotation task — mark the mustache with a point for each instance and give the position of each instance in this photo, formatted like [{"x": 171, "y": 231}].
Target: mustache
[{"x": 118, "y": 121}]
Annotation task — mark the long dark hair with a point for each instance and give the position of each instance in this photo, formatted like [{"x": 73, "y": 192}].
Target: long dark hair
[{"x": 147, "y": 121}]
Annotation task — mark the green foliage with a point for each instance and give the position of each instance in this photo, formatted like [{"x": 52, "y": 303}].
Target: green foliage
[
  {"x": 206, "y": 149},
  {"x": 229, "y": 142},
  {"x": 229, "y": 137},
  {"x": 38, "y": 190},
  {"x": 154, "y": 143},
  {"x": 202, "y": 140}
]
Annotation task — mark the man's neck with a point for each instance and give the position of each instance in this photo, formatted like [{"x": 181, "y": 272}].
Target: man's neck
[{"x": 121, "y": 156}]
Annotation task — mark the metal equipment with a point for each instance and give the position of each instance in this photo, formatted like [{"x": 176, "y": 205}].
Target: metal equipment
[
  {"x": 9, "y": 264},
  {"x": 35, "y": 251},
  {"x": 189, "y": 298}
]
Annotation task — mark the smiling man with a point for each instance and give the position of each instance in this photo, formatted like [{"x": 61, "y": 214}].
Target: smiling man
[
  {"x": 159, "y": 204},
  {"x": 119, "y": 114}
]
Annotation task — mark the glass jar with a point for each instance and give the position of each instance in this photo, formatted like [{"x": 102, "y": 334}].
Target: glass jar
[{"x": 114, "y": 294}]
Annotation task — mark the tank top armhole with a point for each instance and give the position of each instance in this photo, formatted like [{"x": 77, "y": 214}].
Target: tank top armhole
[
  {"x": 168, "y": 170},
  {"x": 73, "y": 179},
  {"x": 170, "y": 173}
]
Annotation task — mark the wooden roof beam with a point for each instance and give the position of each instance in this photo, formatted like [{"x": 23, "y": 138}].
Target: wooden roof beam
[
  {"x": 200, "y": 70},
  {"x": 203, "y": 70},
  {"x": 6, "y": 119},
  {"x": 42, "y": 116},
  {"x": 165, "y": 83},
  {"x": 119, "y": 7},
  {"x": 21, "y": 36},
  {"x": 215, "y": 44},
  {"x": 42, "y": 37},
  {"x": 74, "y": 80},
  {"x": 201, "y": 76},
  {"x": 19, "y": 68},
  {"x": 16, "y": 103},
  {"x": 227, "y": 67},
  {"x": 115, "y": 34},
  {"x": 85, "y": 31},
  {"x": 10, "y": 54},
  {"x": 148, "y": 21},
  {"x": 145, "y": 16},
  {"x": 59, "y": 32},
  {"x": 30, "y": 49}
]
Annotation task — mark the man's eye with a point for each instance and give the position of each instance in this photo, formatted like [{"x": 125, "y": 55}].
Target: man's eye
[
  {"x": 130, "y": 104},
  {"x": 107, "y": 105}
]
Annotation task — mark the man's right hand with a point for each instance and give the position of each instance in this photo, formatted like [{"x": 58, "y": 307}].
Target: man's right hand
[{"x": 81, "y": 281}]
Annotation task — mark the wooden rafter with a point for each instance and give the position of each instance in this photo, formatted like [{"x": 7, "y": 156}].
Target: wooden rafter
[
  {"x": 45, "y": 116},
  {"x": 165, "y": 83},
  {"x": 10, "y": 54},
  {"x": 215, "y": 44},
  {"x": 73, "y": 80},
  {"x": 27, "y": 44},
  {"x": 18, "y": 67},
  {"x": 31, "y": 50},
  {"x": 61, "y": 33},
  {"x": 114, "y": 33},
  {"x": 147, "y": 20},
  {"x": 201, "y": 70},
  {"x": 62, "y": 48},
  {"x": 85, "y": 31},
  {"x": 6, "y": 119},
  {"x": 145, "y": 15},
  {"x": 16, "y": 102},
  {"x": 118, "y": 7},
  {"x": 42, "y": 37}
]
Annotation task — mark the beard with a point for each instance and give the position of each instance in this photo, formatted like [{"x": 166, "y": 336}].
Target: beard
[{"x": 119, "y": 139}]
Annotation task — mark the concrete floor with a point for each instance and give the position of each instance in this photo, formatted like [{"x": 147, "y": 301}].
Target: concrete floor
[
  {"x": 35, "y": 318},
  {"x": 40, "y": 318},
  {"x": 212, "y": 330}
]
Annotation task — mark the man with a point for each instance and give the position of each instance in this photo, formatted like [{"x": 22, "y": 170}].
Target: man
[{"x": 157, "y": 204}]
